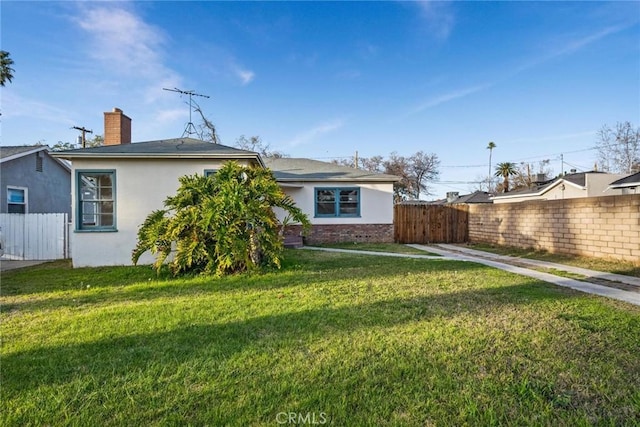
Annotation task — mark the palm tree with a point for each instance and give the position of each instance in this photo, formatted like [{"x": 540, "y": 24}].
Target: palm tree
[
  {"x": 6, "y": 72},
  {"x": 490, "y": 147},
  {"x": 505, "y": 170}
]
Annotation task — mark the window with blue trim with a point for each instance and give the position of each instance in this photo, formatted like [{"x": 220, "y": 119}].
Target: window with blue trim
[
  {"x": 210, "y": 172},
  {"x": 337, "y": 202},
  {"x": 96, "y": 200}
]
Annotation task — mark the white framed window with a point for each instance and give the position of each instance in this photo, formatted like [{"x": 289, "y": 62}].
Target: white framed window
[
  {"x": 96, "y": 200},
  {"x": 17, "y": 199}
]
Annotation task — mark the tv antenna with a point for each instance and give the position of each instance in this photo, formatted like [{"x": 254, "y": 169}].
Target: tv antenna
[
  {"x": 190, "y": 128},
  {"x": 84, "y": 134}
]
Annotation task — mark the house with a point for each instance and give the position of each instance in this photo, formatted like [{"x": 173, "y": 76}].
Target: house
[
  {"x": 32, "y": 181},
  {"x": 569, "y": 186},
  {"x": 115, "y": 187},
  {"x": 454, "y": 198},
  {"x": 344, "y": 204},
  {"x": 627, "y": 185}
]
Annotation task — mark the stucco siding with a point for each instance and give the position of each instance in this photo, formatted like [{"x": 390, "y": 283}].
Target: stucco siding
[
  {"x": 48, "y": 191},
  {"x": 141, "y": 187},
  {"x": 376, "y": 202}
]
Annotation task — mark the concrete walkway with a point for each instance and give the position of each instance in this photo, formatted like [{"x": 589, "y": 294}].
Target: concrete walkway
[
  {"x": 10, "y": 264},
  {"x": 629, "y": 280},
  {"x": 591, "y": 288}
]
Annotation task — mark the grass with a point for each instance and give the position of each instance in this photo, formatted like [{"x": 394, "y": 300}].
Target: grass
[
  {"x": 347, "y": 339},
  {"x": 379, "y": 247},
  {"x": 607, "y": 265}
]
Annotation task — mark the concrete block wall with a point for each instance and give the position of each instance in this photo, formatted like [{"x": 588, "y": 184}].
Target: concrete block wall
[
  {"x": 345, "y": 233},
  {"x": 602, "y": 227}
]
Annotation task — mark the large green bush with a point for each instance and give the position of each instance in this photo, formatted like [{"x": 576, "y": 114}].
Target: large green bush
[{"x": 220, "y": 224}]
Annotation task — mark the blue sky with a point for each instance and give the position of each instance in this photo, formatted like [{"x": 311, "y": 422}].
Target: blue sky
[{"x": 324, "y": 79}]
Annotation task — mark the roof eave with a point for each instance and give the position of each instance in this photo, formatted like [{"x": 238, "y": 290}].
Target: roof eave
[{"x": 24, "y": 153}]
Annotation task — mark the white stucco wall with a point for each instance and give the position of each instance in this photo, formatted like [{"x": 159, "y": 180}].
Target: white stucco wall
[
  {"x": 141, "y": 187},
  {"x": 376, "y": 202}
]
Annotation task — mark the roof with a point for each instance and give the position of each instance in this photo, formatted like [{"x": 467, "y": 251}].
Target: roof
[
  {"x": 301, "y": 170},
  {"x": 164, "y": 148},
  {"x": 475, "y": 197},
  {"x": 17, "y": 151},
  {"x": 9, "y": 153},
  {"x": 577, "y": 179},
  {"x": 632, "y": 180}
]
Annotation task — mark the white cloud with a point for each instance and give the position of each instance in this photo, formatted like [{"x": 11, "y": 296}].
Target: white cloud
[
  {"x": 571, "y": 47},
  {"x": 245, "y": 76},
  {"x": 438, "y": 16},
  {"x": 18, "y": 106},
  {"x": 315, "y": 132},
  {"x": 442, "y": 99},
  {"x": 121, "y": 39},
  {"x": 171, "y": 115}
]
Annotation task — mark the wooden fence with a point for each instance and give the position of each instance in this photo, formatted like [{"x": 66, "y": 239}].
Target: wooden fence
[
  {"x": 35, "y": 236},
  {"x": 431, "y": 223}
]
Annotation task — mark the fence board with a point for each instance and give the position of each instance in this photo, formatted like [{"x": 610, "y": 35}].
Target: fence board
[
  {"x": 431, "y": 223},
  {"x": 35, "y": 236}
]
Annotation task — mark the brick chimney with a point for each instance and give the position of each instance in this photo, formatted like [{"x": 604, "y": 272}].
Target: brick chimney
[{"x": 117, "y": 128}]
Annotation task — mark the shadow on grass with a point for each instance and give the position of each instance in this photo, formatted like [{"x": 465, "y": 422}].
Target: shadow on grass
[
  {"x": 106, "y": 358},
  {"x": 127, "y": 284}
]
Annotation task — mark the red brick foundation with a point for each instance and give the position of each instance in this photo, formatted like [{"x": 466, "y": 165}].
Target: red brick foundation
[{"x": 345, "y": 233}]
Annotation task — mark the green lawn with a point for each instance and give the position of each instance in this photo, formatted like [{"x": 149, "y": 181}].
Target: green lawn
[
  {"x": 379, "y": 247},
  {"x": 609, "y": 265},
  {"x": 346, "y": 339}
]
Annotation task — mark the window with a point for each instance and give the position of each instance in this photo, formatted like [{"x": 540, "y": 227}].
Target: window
[
  {"x": 337, "y": 202},
  {"x": 17, "y": 200},
  {"x": 210, "y": 172},
  {"x": 96, "y": 201}
]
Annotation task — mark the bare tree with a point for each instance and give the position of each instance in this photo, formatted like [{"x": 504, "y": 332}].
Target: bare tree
[
  {"x": 206, "y": 129},
  {"x": 423, "y": 169},
  {"x": 619, "y": 148},
  {"x": 255, "y": 143},
  {"x": 527, "y": 174},
  {"x": 415, "y": 172}
]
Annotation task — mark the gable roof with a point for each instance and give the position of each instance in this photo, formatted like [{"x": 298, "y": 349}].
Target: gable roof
[
  {"x": 164, "y": 148},
  {"x": 575, "y": 179},
  {"x": 307, "y": 170},
  {"x": 632, "y": 180},
  {"x": 9, "y": 153},
  {"x": 475, "y": 197},
  {"x": 13, "y": 152}
]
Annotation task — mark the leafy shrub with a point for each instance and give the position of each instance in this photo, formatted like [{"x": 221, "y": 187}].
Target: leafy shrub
[{"x": 219, "y": 224}]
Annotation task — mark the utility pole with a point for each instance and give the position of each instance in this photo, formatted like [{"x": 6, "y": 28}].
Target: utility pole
[
  {"x": 84, "y": 134},
  {"x": 355, "y": 160},
  {"x": 190, "y": 128}
]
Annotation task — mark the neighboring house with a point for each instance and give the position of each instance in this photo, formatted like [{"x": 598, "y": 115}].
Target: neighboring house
[
  {"x": 454, "y": 198},
  {"x": 32, "y": 181},
  {"x": 569, "y": 186},
  {"x": 627, "y": 185},
  {"x": 344, "y": 204},
  {"x": 116, "y": 186}
]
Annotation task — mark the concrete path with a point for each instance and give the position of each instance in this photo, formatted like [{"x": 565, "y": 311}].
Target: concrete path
[
  {"x": 591, "y": 288},
  {"x": 10, "y": 264},
  {"x": 629, "y": 280},
  {"x": 606, "y": 291}
]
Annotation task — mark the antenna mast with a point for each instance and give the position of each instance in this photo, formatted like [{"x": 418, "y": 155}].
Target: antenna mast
[
  {"x": 190, "y": 128},
  {"x": 84, "y": 134}
]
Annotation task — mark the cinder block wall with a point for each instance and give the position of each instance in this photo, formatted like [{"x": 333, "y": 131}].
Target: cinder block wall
[{"x": 603, "y": 227}]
